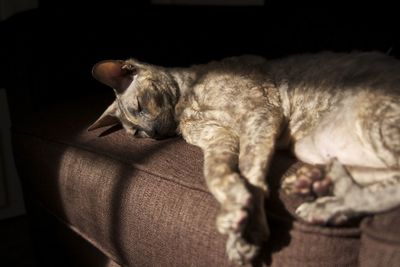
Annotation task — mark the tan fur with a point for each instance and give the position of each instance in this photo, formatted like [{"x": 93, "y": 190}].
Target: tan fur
[{"x": 325, "y": 106}]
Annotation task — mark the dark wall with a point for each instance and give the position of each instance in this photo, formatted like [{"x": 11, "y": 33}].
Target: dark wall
[{"x": 48, "y": 52}]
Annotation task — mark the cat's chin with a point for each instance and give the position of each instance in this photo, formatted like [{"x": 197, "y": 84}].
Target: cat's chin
[{"x": 141, "y": 134}]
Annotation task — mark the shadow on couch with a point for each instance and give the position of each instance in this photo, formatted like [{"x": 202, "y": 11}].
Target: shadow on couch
[{"x": 115, "y": 200}]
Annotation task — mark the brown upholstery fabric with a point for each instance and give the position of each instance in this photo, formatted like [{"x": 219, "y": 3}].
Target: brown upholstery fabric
[
  {"x": 144, "y": 202},
  {"x": 380, "y": 242}
]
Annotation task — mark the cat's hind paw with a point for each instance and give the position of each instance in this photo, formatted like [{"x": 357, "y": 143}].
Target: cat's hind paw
[
  {"x": 324, "y": 211},
  {"x": 308, "y": 181}
]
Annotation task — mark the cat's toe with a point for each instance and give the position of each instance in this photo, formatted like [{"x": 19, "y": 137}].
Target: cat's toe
[
  {"x": 232, "y": 221},
  {"x": 308, "y": 181},
  {"x": 239, "y": 250},
  {"x": 234, "y": 213},
  {"x": 324, "y": 211},
  {"x": 322, "y": 187},
  {"x": 308, "y": 212}
]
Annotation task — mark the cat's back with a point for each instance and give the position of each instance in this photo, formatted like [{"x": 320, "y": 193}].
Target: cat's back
[
  {"x": 235, "y": 66},
  {"x": 223, "y": 81},
  {"x": 325, "y": 59},
  {"x": 340, "y": 71}
]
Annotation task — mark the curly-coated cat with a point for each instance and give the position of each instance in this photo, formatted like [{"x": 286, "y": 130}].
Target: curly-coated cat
[{"x": 339, "y": 110}]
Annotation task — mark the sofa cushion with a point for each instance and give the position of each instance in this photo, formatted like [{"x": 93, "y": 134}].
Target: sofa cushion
[
  {"x": 145, "y": 203},
  {"x": 380, "y": 241}
]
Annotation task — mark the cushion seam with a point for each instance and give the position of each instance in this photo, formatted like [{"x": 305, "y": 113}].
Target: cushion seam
[
  {"x": 370, "y": 233},
  {"x": 115, "y": 159}
]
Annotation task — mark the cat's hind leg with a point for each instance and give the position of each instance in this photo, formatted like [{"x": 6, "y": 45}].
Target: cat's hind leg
[
  {"x": 365, "y": 133},
  {"x": 350, "y": 199},
  {"x": 309, "y": 181}
]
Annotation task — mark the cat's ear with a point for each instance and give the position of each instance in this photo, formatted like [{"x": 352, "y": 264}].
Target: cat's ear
[
  {"x": 117, "y": 74},
  {"x": 108, "y": 118}
]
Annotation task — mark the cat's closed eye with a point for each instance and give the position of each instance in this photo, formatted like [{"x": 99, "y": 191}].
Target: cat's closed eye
[
  {"x": 132, "y": 110},
  {"x": 139, "y": 110},
  {"x": 139, "y": 106}
]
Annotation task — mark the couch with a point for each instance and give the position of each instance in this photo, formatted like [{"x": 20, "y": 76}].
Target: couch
[{"x": 104, "y": 198}]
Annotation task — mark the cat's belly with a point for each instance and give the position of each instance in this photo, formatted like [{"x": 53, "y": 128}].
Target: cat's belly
[{"x": 338, "y": 136}]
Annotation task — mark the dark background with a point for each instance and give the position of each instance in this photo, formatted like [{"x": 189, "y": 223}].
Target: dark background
[{"x": 47, "y": 53}]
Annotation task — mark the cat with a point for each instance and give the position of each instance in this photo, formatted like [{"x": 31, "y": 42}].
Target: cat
[{"x": 338, "y": 110}]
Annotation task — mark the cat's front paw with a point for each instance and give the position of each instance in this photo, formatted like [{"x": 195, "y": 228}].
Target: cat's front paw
[
  {"x": 232, "y": 221},
  {"x": 235, "y": 211},
  {"x": 324, "y": 211},
  {"x": 308, "y": 181},
  {"x": 233, "y": 217},
  {"x": 239, "y": 250}
]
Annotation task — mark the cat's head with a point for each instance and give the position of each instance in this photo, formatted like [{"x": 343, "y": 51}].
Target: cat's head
[{"x": 145, "y": 98}]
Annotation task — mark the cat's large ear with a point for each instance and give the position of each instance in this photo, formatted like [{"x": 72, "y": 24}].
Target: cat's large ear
[
  {"x": 108, "y": 118},
  {"x": 115, "y": 73}
]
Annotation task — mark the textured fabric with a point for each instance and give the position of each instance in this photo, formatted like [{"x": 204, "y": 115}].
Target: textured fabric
[
  {"x": 380, "y": 242},
  {"x": 135, "y": 217},
  {"x": 145, "y": 203}
]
